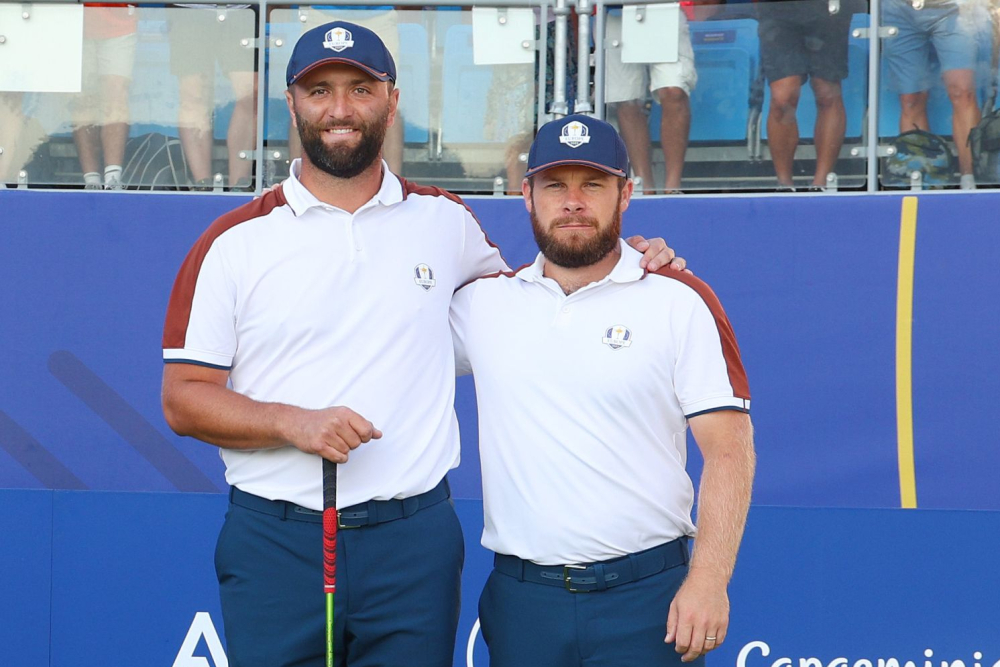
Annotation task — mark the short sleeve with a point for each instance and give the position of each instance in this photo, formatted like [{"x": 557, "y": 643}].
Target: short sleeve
[
  {"x": 479, "y": 256},
  {"x": 201, "y": 324},
  {"x": 460, "y": 318},
  {"x": 708, "y": 373}
]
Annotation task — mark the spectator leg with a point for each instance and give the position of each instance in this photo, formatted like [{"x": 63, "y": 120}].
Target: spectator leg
[
  {"x": 783, "y": 127},
  {"x": 913, "y": 112},
  {"x": 675, "y": 127},
  {"x": 195, "y": 125},
  {"x": 515, "y": 168},
  {"x": 634, "y": 128},
  {"x": 114, "y": 131},
  {"x": 831, "y": 123},
  {"x": 88, "y": 149},
  {"x": 961, "y": 87},
  {"x": 241, "y": 133}
]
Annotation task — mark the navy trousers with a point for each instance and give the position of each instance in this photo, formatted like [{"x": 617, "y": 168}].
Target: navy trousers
[
  {"x": 397, "y": 600},
  {"x": 528, "y": 624}
]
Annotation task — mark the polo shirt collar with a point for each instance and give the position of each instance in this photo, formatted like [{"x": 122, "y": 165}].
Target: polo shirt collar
[
  {"x": 625, "y": 271},
  {"x": 300, "y": 199}
]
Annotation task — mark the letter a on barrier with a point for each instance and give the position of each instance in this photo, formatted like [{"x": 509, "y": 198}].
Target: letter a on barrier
[{"x": 201, "y": 626}]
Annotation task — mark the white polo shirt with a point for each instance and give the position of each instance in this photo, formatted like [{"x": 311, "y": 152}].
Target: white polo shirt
[
  {"x": 583, "y": 405},
  {"x": 309, "y": 305}
]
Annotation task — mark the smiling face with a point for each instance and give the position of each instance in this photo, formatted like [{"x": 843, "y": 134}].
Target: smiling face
[
  {"x": 342, "y": 115},
  {"x": 576, "y": 213}
]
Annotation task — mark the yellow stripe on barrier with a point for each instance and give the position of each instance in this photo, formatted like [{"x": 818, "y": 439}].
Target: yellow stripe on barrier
[{"x": 904, "y": 353}]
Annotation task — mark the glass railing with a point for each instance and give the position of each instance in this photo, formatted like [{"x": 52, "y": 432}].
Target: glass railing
[
  {"x": 465, "y": 114},
  {"x": 938, "y": 80},
  {"x": 165, "y": 99},
  {"x": 713, "y": 97}
]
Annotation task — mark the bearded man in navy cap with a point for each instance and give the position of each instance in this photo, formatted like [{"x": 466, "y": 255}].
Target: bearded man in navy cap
[
  {"x": 585, "y": 396},
  {"x": 311, "y": 324}
]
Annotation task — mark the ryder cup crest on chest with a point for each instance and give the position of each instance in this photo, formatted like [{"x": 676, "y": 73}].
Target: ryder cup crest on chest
[
  {"x": 338, "y": 39},
  {"x": 617, "y": 337},
  {"x": 423, "y": 276}
]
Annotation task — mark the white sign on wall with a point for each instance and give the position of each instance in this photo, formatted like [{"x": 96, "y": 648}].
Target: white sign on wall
[
  {"x": 650, "y": 33},
  {"x": 41, "y": 48},
  {"x": 503, "y": 36}
]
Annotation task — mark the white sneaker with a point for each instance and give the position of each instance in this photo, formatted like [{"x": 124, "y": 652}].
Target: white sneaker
[
  {"x": 113, "y": 182},
  {"x": 968, "y": 182}
]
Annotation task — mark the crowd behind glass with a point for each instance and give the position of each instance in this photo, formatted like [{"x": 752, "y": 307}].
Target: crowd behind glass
[{"x": 765, "y": 95}]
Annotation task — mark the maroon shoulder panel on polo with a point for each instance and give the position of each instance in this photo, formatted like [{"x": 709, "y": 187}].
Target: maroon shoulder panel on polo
[
  {"x": 409, "y": 187},
  {"x": 182, "y": 295},
  {"x": 730, "y": 349}
]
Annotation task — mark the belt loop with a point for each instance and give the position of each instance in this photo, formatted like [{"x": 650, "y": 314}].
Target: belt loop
[
  {"x": 685, "y": 552},
  {"x": 520, "y": 570},
  {"x": 599, "y": 580},
  {"x": 633, "y": 567},
  {"x": 373, "y": 518},
  {"x": 286, "y": 507},
  {"x": 232, "y": 493},
  {"x": 410, "y": 506}
]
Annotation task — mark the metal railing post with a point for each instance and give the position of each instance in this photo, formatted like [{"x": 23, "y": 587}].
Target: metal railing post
[
  {"x": 582, "y": 103},
  {"x": 559, "y": 106}
]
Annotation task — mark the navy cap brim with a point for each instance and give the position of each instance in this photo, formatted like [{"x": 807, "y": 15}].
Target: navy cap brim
[
  {"x": 381, "y": 76},
  {"x": 581, "y": 163}
]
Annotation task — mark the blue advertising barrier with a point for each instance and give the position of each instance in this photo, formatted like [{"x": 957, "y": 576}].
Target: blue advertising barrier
[
  {"x": 864, "y": 397},
  {"x": 810, "y": 285},
  {"x": 121, "y": 579}
]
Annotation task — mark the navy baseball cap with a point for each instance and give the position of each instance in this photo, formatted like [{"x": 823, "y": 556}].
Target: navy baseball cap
[
  {"x": 578, "y": 140},
  {"x": 341, "y": 42}
]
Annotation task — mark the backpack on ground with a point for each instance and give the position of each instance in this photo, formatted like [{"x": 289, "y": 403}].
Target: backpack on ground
[
  {"x": 919, "y": 151},
  {"x": 154, "y": 161}
]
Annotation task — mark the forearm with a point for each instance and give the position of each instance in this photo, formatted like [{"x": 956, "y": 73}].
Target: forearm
[
  {"x": 723, "y": 502},
  {"x": 220, "y": 416}
]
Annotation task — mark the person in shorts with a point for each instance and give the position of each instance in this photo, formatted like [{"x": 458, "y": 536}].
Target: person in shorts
[
  {"x": 626, "y": 88},
  {"x": 802, "y": 41},
  {"x": 202, "y": 36},
  {"x": 101, "y": 111},
  {"x": 929, "y": 31}
]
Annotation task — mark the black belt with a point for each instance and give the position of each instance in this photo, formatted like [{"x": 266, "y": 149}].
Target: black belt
[
  {"x": 370, "y": 513},
  {"x": 585, "y": 578}
]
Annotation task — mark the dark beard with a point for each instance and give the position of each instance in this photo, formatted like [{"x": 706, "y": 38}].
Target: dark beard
[
  {"x": 578, "y": 252},
  {"x": 343, "y": 162}
]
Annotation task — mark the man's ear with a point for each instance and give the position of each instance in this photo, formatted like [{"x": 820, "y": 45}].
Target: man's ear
[
  {"x": 291, "y": 107},
  {"x": 526, "y": 192},
  {"x": 626, "y": 194},
  {"x": 393, "y": 105}
]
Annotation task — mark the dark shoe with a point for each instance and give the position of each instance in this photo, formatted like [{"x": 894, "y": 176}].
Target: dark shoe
[
  {"x": 242, "y": 185},
  {"x": 202, "y": 185}
]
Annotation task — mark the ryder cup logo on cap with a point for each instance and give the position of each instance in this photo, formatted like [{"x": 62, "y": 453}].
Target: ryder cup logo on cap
[
  {"x": 578, "y": 140},
  {"x": 338, "y": 39},
  {"x": 574, "y": 134},
  {"x": 340, "y": 42}
]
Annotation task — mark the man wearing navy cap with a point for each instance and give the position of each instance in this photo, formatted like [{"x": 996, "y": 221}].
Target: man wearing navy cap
[
  {"x": 312, "y": 323},
  {"x": 585, "y": 394}
]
